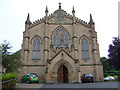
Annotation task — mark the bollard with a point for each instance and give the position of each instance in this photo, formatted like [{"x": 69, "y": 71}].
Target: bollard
[{"x": 43, "y": 81}]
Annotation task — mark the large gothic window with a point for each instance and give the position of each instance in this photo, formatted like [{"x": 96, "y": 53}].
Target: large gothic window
[
  {"x": 84, "y": 48},
  {"x": 36, "y": 49},
  {"x": 60, "y": 38}
]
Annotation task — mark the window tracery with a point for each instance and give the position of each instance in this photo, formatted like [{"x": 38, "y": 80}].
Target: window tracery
[
  {"x": 60, "y": 38},
  {"x": 36, "y": 48},
  {"x": 84, "y": 48}
]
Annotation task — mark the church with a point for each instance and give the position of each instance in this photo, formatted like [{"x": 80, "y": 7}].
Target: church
[{"x": 60, "y": 48}]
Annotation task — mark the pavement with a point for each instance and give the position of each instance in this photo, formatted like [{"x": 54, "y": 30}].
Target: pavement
[{"x": 25, "y": 86}]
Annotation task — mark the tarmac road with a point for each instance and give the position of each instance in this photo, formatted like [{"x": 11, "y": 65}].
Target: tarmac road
[{"x": 71, "y": 85}]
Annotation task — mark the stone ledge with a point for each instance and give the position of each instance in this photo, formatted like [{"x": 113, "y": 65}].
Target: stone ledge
[
  {"x": 89, "y": 64},
  {"x": 26, "y": 50},
  {"x": 33, "y": 65}
]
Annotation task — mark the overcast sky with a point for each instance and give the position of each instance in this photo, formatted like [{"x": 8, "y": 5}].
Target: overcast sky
[{"x": 13, "y": 14}]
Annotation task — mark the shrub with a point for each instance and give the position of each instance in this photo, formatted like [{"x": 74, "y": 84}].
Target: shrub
[
  {"x": 9, "y": 80},
  {"x": 105, "y": 74},
  {"x": 111, "y": 74},
  {"x": 9, "y": 76},
  {"x": 117, "y": 73}
]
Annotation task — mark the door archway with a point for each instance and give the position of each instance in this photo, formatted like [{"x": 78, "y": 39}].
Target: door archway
[{"x": 62, "y": 74}]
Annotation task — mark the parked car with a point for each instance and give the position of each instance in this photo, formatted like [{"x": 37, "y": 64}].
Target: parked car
[
  {"x": 29, "y": 78},
  {"x": 87, "y": 78},
  {"x": 109, "y": 78}
]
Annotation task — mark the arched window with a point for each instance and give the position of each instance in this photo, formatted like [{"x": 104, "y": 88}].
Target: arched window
[
  {"x": 60, "y": 38},
  {"x": 36, "y": 49},
  {"x": 84, "y": 48}
]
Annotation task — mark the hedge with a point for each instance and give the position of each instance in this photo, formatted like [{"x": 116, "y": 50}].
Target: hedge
[
  {"x": 9, "y": 76},
  {"x": 111, "y": 74},
  {"x": 115, "y": 72},
  {"x": 9, "y": 80},
  {"x": 106, "y": 74}
]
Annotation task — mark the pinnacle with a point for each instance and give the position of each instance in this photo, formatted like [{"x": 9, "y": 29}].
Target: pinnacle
[
  {"x": 28, "y": 20},
  {"x": 73, "y": 11},
  {"x": 91, "y": 20},
  {"x": 46, "y": 11}
]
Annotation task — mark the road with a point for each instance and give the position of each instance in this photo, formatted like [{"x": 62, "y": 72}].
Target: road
[
  {"x": 84, "y": 85},
  {"x": 71, "y": 85}
]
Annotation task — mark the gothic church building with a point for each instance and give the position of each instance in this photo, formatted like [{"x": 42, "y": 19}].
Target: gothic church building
[{"x": 60, "y": 48}]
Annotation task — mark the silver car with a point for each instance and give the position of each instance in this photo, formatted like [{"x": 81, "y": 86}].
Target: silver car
[{"x": 109, "y": 78}]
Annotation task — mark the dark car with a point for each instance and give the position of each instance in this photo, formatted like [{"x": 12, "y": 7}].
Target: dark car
[
  {"x": 85, "y": 78},
  {"x": 29, "y": 78}
]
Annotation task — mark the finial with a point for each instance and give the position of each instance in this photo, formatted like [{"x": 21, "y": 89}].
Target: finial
[
  {"x": 28, "y": 20},
  {"x": 59, "y": 5},
  {"x": 28, "y": 17},
  {"x": 46, "y": 11},
  {"x": 91, "y": 20},
  {"x": 73, "y": 11}
]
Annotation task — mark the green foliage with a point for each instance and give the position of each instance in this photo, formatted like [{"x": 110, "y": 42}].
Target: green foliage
[
  {"x": 9, "y": 61},
  {"x": 104, "y": 63},
  {"x": 9, "y": 80},
  {"x": 106, "y": 74},
  {"x": 114, "y": 54},
  {"x": 117, "y": 73},
  {"x": 14, "y": 62},
  {"x": 111, "y": 74},
  {"x": 9, "y": 76},
  {"x": 5, "y": 47},
  {"x": 116, "y": 77}
]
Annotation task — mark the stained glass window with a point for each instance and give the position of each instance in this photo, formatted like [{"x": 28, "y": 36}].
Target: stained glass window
[
  {"x": 66, "y": 42},
  {"x": 36, "y": 49},
  {"x": 84, "y": 48},
  {"x": 60, "y": 38}
]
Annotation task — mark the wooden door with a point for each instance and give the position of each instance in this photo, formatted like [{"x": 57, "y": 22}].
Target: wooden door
[{"x": 62, "y": 74}]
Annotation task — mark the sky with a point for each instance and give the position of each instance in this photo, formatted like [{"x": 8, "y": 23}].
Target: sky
[{"x": 13, "y": 14}]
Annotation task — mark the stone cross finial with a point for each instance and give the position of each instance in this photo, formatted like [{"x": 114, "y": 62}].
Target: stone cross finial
[
  {"x": 46, "y": 11},
  {"x": 73, "y": 11},
  {"x": 59, "y": 5}
]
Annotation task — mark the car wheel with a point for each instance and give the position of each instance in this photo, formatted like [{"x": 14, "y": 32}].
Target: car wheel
[
  {"x": 37, "y": 81},
  {"x": 28, "y": 82},
  {"x": 82, "y": 81},
  {"x": 21, "y": 81}
]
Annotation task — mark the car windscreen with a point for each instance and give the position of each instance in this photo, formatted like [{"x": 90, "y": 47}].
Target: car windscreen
[
  {"x": 33, "y": 75},
  {"x": 27, "y": 75},
  {"x": 88, "y": 75}
]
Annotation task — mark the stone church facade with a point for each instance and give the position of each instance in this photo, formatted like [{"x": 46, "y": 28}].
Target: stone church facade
[{"x": 60, "y": 48}]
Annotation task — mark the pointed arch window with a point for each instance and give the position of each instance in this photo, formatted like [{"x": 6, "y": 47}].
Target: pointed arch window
[
  {"x": 60, "y": 38},
  {"x": 36, "y": 49},
  {"x": 84, "y": 48}
]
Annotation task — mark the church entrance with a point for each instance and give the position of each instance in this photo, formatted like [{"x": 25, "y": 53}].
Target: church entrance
[{"x": 62, "y": 74}]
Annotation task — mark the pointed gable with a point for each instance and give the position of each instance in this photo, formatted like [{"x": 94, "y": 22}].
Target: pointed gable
[{"x": 60, "y": 17}]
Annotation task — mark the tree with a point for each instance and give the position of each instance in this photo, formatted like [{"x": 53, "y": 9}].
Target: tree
[
  {"x": 114, "y": 54},
  {"x": 4, "y": 47},
  {"x": 104, "y": 61},
  {"x": 9, "y": 61}
]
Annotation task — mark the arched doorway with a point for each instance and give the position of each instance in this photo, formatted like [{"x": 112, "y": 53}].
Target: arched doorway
[{"x": 62, "y": 74}]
